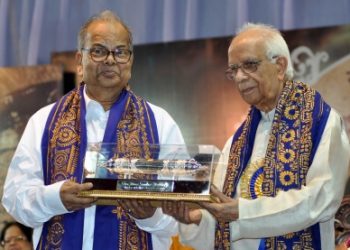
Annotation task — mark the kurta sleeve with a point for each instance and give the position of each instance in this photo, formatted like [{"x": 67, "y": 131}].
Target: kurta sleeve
[
  {"x": 318, "y": 201},
  {"x": 25, "y": 196}
]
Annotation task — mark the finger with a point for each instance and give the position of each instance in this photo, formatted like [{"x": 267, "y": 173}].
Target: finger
[
  {"x": 207, "y": 205},
  {"x": 185, "y": 212},
  {"x": 167, "y": 207},
  {"x": 121, "y": 204},
  {"x": 85, "y": 186},
  {"x": 216, "y": 192},
  {"x": 73, "y": 187},
  {"x": 134, "y": 208},
  {"x": 138, "y": 207},
  {"x": 143, "y": 205},
  {"x": 195, "y": 216},
  {"x": 74, "y": 203},
  {"x": 189, "y": 215},
  {"x": 145, "y": 208},
  {"x": 148, "y": 204},
  {"x": 85, "y": 200},
  {"x": 69, "y": 194},
  {"x": 132, "y": 204},
  {"x": 124, "y": 204},
  {"x": 214, "y": 208}
]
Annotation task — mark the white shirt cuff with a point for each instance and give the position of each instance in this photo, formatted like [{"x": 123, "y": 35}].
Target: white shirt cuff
[{"x": 53, "y": 199}]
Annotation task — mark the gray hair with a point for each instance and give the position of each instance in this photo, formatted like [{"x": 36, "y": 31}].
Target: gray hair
[
  {"x": 107, "y": 16},
  {"x": 274, "y": 43}
]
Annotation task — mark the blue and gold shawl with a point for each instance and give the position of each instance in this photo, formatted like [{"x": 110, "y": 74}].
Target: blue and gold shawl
[
  {"x": 297, "y": 127},
  {"x": 131, "y": 125}
]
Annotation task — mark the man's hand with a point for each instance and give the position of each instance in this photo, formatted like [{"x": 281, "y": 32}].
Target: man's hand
[
  {"x": 182, "y": 212},
  {"x": 138, "y": 209},
  {"x": 226, "y": 209},
  {"x": 69, "y": 195}
]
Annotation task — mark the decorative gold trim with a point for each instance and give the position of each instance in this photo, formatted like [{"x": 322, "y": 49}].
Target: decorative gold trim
[{"x": 108, "y": 197}]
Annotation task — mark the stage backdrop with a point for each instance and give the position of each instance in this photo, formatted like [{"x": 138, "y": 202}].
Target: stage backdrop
[{"x": 23, "y": 90}]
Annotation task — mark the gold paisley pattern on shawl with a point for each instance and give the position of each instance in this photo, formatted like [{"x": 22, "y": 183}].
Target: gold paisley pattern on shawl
[
  {"x": 131, "y": 134},
  {"x": 63, "y": 158},
  {"x": 288, "y": 164},
  {"x": 65, "y": 134},
  {"x": 63, "y": 153},
  {"x": 131, "y": 131}
]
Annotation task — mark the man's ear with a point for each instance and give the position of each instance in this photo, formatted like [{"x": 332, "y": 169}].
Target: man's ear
[
  {"x": 79, "y": 61},
  {"x": 281, "y": 63}
]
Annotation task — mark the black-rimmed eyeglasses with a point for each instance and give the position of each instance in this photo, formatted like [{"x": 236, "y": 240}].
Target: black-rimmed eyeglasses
[
  {"x": 247, "y": 67},
  {"x": 99, "y": 53}
]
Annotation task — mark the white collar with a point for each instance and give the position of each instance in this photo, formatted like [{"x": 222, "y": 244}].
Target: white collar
[
  {"x": 267, "y": 117},
  {"x": 94, "y": 110}
]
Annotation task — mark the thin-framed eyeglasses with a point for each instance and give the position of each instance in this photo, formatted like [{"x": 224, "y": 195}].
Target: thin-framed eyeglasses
[
  {"x": 247, "y": 67},
  {"x": 99, "y": 53},
  {"x": 18, "y": 238}
]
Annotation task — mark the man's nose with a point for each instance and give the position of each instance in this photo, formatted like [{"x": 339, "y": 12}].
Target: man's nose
[{"x": 110, "y": 58}]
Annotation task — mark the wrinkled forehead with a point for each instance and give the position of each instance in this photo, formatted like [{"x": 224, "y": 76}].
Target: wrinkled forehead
[
  {"x": 111, "y": 33},
  {"x": 247, "y": 45}
]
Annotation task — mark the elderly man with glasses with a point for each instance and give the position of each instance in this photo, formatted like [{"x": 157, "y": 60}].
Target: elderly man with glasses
[
  {"x": 283, "y": 173},
  {"x": 46, "y": 173}
]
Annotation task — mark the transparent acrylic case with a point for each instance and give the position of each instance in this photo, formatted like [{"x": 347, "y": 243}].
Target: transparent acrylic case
[{"x": 156, "y": 172}]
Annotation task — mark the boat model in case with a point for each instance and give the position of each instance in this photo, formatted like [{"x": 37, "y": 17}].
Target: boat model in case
[{"x": 153, "y": 172}]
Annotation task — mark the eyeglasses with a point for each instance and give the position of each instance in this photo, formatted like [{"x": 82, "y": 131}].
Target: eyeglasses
[
  {"x": 247, "y": 67},
  {"x": 100, "y": 53},
  {"x": 15, "y": 239}
]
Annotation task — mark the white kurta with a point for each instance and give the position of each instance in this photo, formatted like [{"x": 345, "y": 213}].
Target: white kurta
[
  {"x": 289, "y": 211},
  {"x": 32, "y": 203}
]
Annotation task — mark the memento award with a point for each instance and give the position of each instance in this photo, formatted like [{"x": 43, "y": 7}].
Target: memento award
[{"x": 155, "y": 172}]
